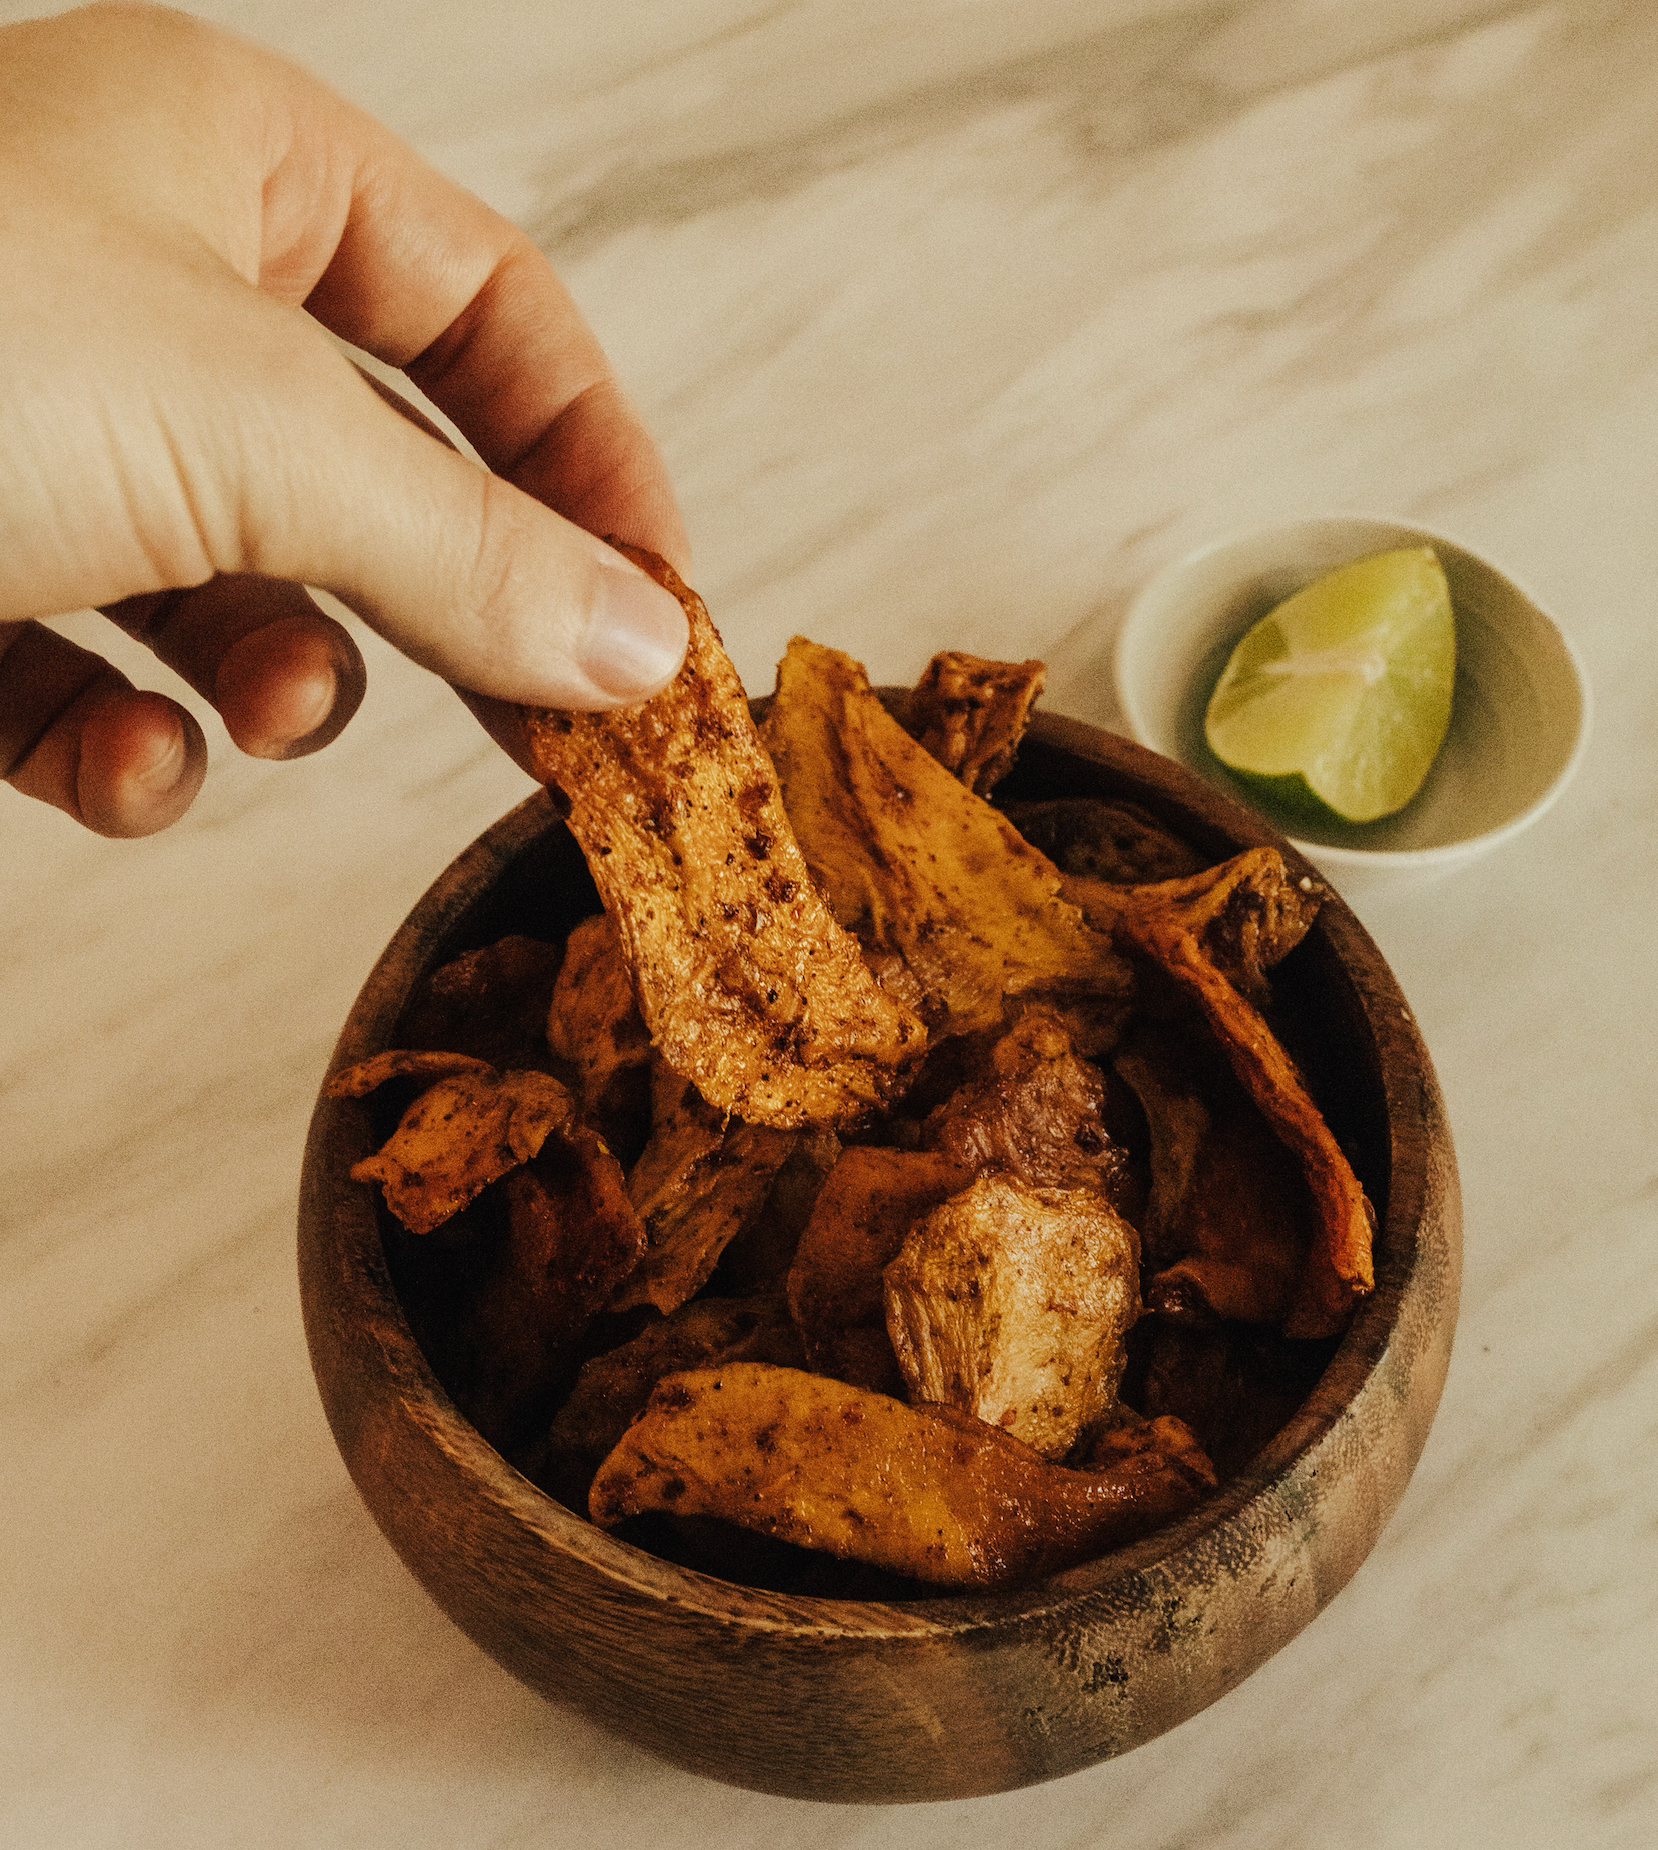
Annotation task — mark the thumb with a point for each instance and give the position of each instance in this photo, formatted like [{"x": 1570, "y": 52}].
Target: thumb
[{"x": 460, "y": 570}]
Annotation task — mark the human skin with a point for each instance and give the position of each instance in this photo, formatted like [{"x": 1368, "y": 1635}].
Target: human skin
[{"x": 182, "y": 215}]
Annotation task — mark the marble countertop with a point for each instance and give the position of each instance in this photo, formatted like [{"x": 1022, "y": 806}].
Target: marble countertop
[{"x": 956, "y": 321}]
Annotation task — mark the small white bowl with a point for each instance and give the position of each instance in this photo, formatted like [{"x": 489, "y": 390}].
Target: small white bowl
[{"x": 1519, "y": 718}]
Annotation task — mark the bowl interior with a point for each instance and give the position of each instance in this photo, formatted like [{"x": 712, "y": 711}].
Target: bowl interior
[
  {"x": 1518, "y": 718},
  {"x": 544, "y": 888}
]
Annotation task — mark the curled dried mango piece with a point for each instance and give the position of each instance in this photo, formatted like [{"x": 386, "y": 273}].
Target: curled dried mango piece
[
  {"x": 747, "y": 984},
  {"x": 460, "y": 1135},
  {"x": 1247, "y": 913},
  {"x": 924, "y": 1491},
  {"x": 490, "y": 1002},
  {"x": 1230, "y": 1218},
  {"x": 612, "y": 1389},
  {"x": 1037, "y": 1111},
  {"x": 1339, "y": 1268},
  {"x": 698, "y": 1184},
  {"x": 685, "y": 1130},
  {"x": 757, "y": 1262},
  {"x": 690, "y": 1224},
  {"x": 1131, "y": 1438},
  {"x": 571, "y": 1234},
  {"x": 594, "y": 1023}
]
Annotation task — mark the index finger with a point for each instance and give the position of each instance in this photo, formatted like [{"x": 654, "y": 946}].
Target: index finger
[{"x": 426, "y": 277}]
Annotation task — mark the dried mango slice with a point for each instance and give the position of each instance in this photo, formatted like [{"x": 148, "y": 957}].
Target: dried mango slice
[
  {"x": 1230, "y": 1219},
  {"x": 690, "y": 1224},
  {"x": 747, "y": 984},
  {"x": 369, "y": 1075},
  {"x": 490, "y": 1002},
  {"x": 913, "y": 861},
  {"x": 1131, "y": 1437},
  {"x": 571, "y": 1234},
  {"x": 1115, "y": 841},
  {"x": 685, "y": 1129},
  {"x": 1036, "y": 1111},
  {"x": 612, "y": 1389},
  {"x": 1011, "y": 1303},
  {"x": 757, "y": 1262},
  {"x": 924, "y": 1491},
  {"x": 1339, "y": 1268},
  {"x": 459, "y": 1136},
  {"x": 1247, "y": 913},
  {"x": 698, "y": 1184},
  {"x": 970, "y": 714},
  {"x": 859, "y": 1221},
  {"x": 595, "y": 1024}
]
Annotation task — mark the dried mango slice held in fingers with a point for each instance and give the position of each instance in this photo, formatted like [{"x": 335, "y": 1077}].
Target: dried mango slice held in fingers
[{"x": 749, "y": 987}]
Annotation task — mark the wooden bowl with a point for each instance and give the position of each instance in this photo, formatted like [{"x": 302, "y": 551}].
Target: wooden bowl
[{"x": 936, "y": 1698}]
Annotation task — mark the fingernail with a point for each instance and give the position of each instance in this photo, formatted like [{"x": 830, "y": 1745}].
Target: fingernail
[
  {"x": 307, "y": 717},
  {"x": 288, "y": 688},
  {"x": 164, "y": 770},
  {"x": 309, "y": 714},
  {"x": 636, "y": 634}
]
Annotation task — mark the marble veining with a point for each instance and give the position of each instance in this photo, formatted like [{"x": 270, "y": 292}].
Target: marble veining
[{"x": 956, "y": 321}]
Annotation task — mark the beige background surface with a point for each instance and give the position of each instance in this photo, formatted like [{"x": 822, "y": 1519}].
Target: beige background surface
[{"x": 956, "y": 320}]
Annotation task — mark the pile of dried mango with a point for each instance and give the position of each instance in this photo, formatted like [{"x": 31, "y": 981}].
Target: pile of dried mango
[{"x": 882, "y": 1173}]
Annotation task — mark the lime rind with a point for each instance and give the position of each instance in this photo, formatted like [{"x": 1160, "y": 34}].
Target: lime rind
[
  {"x": 1341, "y": 696},
  {"x": 1291, "y": 796}
]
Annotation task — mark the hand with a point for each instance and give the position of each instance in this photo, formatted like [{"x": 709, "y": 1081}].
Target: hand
[{"x": 183, "y": 447}]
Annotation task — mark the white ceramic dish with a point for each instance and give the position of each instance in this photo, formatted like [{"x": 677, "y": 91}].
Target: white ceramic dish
[{"x": 1519, "y": 722}]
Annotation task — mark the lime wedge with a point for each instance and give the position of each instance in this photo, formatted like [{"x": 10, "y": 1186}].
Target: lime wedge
[{"x": 1339, "y": 699}]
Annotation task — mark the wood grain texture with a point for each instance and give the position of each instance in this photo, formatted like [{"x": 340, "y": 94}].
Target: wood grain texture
[{"x": 938, "y": 1698}]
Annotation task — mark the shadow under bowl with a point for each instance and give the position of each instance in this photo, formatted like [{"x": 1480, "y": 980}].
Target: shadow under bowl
[{"x": 939, "y": 1697}]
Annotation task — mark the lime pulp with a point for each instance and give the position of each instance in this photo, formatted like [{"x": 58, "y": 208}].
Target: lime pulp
[{"x": 1340, "y": 698}]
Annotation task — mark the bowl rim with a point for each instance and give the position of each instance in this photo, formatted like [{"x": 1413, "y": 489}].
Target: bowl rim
[
  {"x": 1341, "y": 855},
  {"x": 339, "y": 1126}
]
